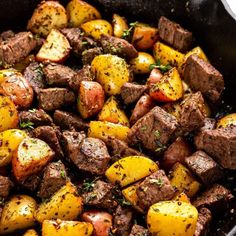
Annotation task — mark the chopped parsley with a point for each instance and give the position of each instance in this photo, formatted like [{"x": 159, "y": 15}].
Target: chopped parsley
[
  {"x": 157, "y": 134},
  {"x": 126, "y": 34},
  {"x": 26, "y": 125},
  {"x": 63, "y": 174},
  {"x": 158, "y": 65},
  {"x": 158, "y": 182}
]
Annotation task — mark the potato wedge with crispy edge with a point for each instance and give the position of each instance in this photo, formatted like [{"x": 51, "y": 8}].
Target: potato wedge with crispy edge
[
  {"x": 8, "y": 114},
  {"x": 10, "y": 140},
  {"x": 104, "y": 129},
  {"x": 31, "y": 156},
  {"x": 56, "y": 48},
  {"x": 66, "y": 228},
  {"x": 80, "y": 12},
  {"x": 111, "y": 72},
  {"x": 112, "y": 113},
  {"x": 47, "y": 16},
  {"x": 17, "y": 213},
  {"x": 65, "y": 204},
  {"x": 119, "y": 25},
  {"x": 130, "y": 169},
  {"x": 227, "y": 121},
  {"x": 172, "y": 218},
  {"x": 30, "y": 232}
]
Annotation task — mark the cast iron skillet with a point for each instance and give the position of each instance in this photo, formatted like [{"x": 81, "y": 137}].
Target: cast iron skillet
[{"x": 213, "y": 27}]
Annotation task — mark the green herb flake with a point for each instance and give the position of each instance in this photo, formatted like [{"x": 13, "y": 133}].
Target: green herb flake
[
  {"x": 63, "y": 174},
  {"x": 26, "y": 125},
  {"x": 159, "y": 182},
  {"x": 157, "y": 134},
  {"x": 126, "y": 33},
  {"x": 162, "y": 68}
]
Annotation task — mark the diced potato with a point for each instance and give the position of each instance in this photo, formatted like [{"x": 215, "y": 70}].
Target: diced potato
[
  {"x": 104, "y": 129},
  {"x": 18, "y": 89},
  {"x": 56, "y": 48},
  {"x": 91, "y": 98},
  {"x": 131, "y": 196},
  {"x": 144, "y": 36},
  {"x": 169, "y": 88},
  {"x": 80, "y": 12},
  {"x": 30, "y": 232},
  {"x": 10, "y": 140},
  {"x": 112, "y": 113},
  {"x": 141, "y": 64},
  {"x": 168, "y": 55},
  {"x": 101, "y": 221},
  {"x": 119, "y": 25},
  {"x": 227, "y": 121},
  {"x": 31, "y": 156},
  {"x": 96, "y": 28},
  {"x": 130, "y": 169},
  {"x": 8, "y": 114},
  {"x": 183, "y": 181},
  {"x": 172, "y": 218},
  {"x": 197, "y": 51},
  {"x": 65, "y": 204},
  {"x": 182, "y": 197},
  {"x": 154, "y": 77},
  {"x": 174, "y": 108},
  {"x": 111, "y": 72},
  {"x": 17, "y": 213},
  {"x": 66, "y": 228},
  {"x": 47, "y": 16},
  {"x": 6, "y": 73}
]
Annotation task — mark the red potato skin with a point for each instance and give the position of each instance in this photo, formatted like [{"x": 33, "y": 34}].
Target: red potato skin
[
  {"x": 142, "y": 107},
  {"x": 101, "y": 221},
  {"x": 91, "y": 98},
  {"x": 18, "y": 89},
  {"x": 154, "y": 77}
]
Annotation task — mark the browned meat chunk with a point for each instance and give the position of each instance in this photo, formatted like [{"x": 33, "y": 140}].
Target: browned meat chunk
[
  {"x": 7, "y": 35},
  {"x": 176, "y": 152},
  {"x": 54, "y": 178},
  {"x": 55, "y": 98},
  {"x": 5, "y": 186},
  {"x": 209, "y": 123},
  {"x": 34, "y": 75},
  {"x": 101, "y": 196},
  {"x": 202, "y": 76},
  {"x": 16, "y": 48},
  {"x": 216, "y": 198},
  {"x": 32, "y": 182},
  {"x": 117, "y": 46},
  {"x": 122, "y": 221},
  {"x": 154, "y": 188},
  {"x": 88, "y": 55},
  {"x": 192, "y": 114},
  {"x": 50, "y": 136},
  {"x": 204, "y": 167},
  {"x": 58, "y": 75},
  {"x": 154, "y": 130},
  {"x": 130, "y": 92},
  {"x": 85, "y": 74},
  {"x": 138, "y": 230},
  {"x": 203, "y": 222},
  {"x": 174, "y": 34},
  {"x": 69, "y": 121},
  {"x": 36, "y": 117},
  {"x": 220, "y": 144}
]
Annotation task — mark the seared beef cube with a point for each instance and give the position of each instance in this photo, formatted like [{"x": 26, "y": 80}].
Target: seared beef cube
[
  {"x": 58, "y": 75},
  {"x": 71, "y": 145},
  {"x": 192, "y": 114},
  {"x": 32, "y": 182},
  {"x": 216, "y": 199},
  {"x": 209, "y": 123},
  {"x": 220, "y": 144},
  {"x": 154, "y": 188},
  {"x": 202, "y": 76},
  {"x": 204, "y": 167},
  {"x": 55, "y": 98},
  {"x": 85, "y": 74},
  {"x": 37, "y": 117},
  {"x": 138, "y": 230},
  {"x": 69, "y": 121},
  {"x": 16, "y": 48},
  {"x": 7, "y": 35},
  {"x": 88, "y": 55},
  {"x": 173, "y": 34},
  {"x": 122, "y": 221},
  {"x": 130, "y": 92},
  {"x": 54, "y": 178},
  {"x": 101, "y": 196},
  {"x": 154, "y": 130},
  {"x": 34, "y": 75},
  {"x": 5, "y": 186},
  {"x": 118, "y": 46},
  {"x": 49, "y": 135},
  {"x": 203, "y": 222},
  {"x": 93, "y": 156}
]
